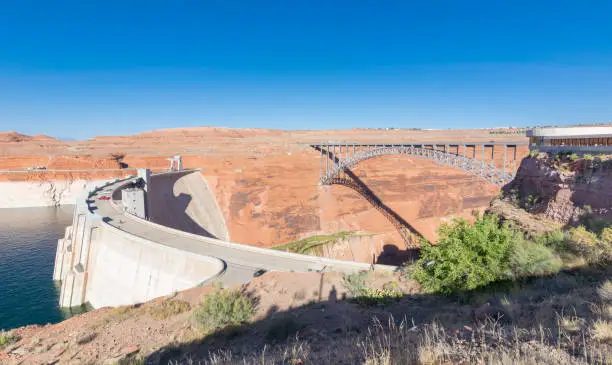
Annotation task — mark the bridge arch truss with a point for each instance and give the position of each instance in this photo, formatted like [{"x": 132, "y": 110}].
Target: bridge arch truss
[{"x": 476, "y": 159}]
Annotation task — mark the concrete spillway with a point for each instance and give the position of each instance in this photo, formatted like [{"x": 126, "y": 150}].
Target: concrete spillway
[{"x": 110, "y": 258}]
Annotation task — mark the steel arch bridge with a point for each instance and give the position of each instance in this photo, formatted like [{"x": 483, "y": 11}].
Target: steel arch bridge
[{"x": 337, "y": 158}]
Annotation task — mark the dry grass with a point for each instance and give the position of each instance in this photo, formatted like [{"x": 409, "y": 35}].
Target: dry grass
[
  {"x": 562, "y": 319},
  {"x": 602, "y": 330},
  {"x": 168, "y": 308},
  {"x": 222, "y": 308},
  {"x": 390, "y": 343},
  {"x": 605, "y": 291},
  {"x": 570, "y": 324},
  {"x": 116, "y": 315}
]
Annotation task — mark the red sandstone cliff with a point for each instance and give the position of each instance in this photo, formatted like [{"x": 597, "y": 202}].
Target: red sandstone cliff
[
  {"x": 266, "y": 181},
  {"x": 563, "y": 190}
]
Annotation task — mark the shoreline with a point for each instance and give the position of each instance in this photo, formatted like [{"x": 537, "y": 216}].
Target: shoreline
[{"x": 44, "y": 193}]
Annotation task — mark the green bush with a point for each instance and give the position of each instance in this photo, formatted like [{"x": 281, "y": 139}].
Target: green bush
[
  {"x": 554, "y": 239},
  {"x": 224, "y": 307},
  {"x": 467, "y": 256},
  {"x": 588, "y": 157},
  {"x": 586, "y": 244},
  {"x": 7, "y": 338},
  {"x": 533, "y": 259},
  {"x": 581, "y": 237},
  {"x": 313, "y": 245},
  {"x": 378, "y": 297},
  {"x": 534, "y": 153},
  {"x": 168, "y": 308},
  {"x": 573, "y": 157},
  {"x": 606, "y": 236},
  {"x": 355, "y": 283}
]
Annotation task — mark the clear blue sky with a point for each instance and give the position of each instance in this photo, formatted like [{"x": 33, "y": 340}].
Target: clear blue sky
[{"x": 85, "y": 68}]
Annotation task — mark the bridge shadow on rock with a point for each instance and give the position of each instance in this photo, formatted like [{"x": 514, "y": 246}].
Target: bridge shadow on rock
[
  {"x": 392, "y": 255},
  {"x": 349, "y": 179},
  {"x": 336, "y": 331}
]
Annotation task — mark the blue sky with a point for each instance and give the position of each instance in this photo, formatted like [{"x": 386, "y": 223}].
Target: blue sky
[{"x": 86, "y": 68}]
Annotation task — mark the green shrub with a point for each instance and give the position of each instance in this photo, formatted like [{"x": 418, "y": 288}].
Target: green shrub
[
  {"x": 313, "y": 245},
  {"x": 590, "y": 221},
  {"x": 7, "y": 338},
  {"x": 407, "y": 269},
  {"x": 224, "y": 307},
  {"x": 355, "y": 283},
  {"x": 588, "y": 157},
  {"x": 467, "y": 256},
  {"x": 168, "y": 308},
  {"x": 531, "y": 201},
  {"x": 534, "y": 153},
  {"x": 553, "y": 239},
  {"x": 378, "y": 297},
  {"x": 606, "y": 236},
  {"x": 586, "y": 244},
  {"x": 533, "y": 259},
  {"x": 573, "y": 157},
  {"x": 582, "y": 237}
]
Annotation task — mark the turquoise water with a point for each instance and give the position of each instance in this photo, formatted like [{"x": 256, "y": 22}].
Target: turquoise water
[{"x": 28, "y": 240}]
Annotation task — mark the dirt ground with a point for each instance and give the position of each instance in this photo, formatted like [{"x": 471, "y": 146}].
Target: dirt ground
[
  {"x": 109, "y": 334},
  {"x": 304, "y": 318}
]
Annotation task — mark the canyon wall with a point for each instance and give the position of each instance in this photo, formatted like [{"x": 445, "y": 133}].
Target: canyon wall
[
  {"x": 266, "y": 182},
  {"x": 562, "y": 189},
  {"x": 22, "y": 194},
  {"x": 277, "y": 199},
  {"x": 46, "y": 188}
]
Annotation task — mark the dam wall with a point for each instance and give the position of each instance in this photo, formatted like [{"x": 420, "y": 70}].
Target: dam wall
[
  {"x": 105, "y": 266},
  {"x": 110, "y": 258}
]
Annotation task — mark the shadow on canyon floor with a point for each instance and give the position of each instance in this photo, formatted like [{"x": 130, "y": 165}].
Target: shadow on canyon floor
[{"x": 324, "y": 325}]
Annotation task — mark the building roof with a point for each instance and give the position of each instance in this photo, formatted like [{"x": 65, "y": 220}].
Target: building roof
[{"x": 571, "y": 132}]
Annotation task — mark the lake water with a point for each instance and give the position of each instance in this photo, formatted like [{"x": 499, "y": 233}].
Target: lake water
[{"x": 28, "y": 240}]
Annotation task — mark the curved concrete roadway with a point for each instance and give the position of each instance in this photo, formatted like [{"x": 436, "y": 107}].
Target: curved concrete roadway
[{"x": 242, "y": 262}]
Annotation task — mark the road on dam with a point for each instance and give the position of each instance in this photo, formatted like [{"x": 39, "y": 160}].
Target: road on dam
[{"x": 242, "y": 262}]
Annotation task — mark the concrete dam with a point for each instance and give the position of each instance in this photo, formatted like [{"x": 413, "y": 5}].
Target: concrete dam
[{"x": 147, "y": 236}]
